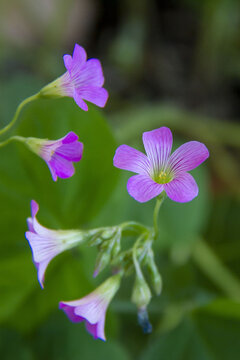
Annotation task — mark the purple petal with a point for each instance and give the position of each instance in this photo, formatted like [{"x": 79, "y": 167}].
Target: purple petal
[
  {"x": 188, "y": 156},
  {"x": 92, "y": 311},
  {"x": 41, "y": 267},
  {"x": 69, "y": 311},
  {"x": 100, "y": 329},
  {"x": 42, "y": 247},
  {"x": 128, "y": 158},
  {"x": 53, "y": 172},
  {"x": 67, "y": 62},
  {"x": 42, "y": 230},
  {"x": 71, "y": 152},
  {"x": 158, "y": 145},
  {"x": 60, "y": 167},
  {"x": 94, "y": 94},
  {"x": 79, "y": 101},
  {"x": 34, "y": 225},
  {"x": 142, "y": 188},
  {"x": 30, "y": 224},
  {"x": 34, "y": 208},
  {"x": 97, "y": 330},
  {"x": 182, "y": 189},
  {"x": 79, "y": 55},
  {"x": 92, "y": 329},
  {"x": 69, "y": 138},
  {"x": 91, "y": 74}
]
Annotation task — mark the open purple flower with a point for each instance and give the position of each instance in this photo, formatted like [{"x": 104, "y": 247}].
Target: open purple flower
[
  {"x": 92, "y": 308},
  {"x": 83, "y": 80},
  {"x": 58, "y": 154},
  {"x": 159, "y": 171},
  {"x": 46, "y": 243}
]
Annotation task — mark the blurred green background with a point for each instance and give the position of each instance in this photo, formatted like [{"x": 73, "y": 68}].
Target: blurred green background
[{"x": 166, "y": 63}]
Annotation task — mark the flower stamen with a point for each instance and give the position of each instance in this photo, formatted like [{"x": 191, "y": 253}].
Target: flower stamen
[{"x": 163, "y": 177}]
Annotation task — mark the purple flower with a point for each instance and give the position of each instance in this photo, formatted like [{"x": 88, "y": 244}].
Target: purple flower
[
  {"x": 58, "y": 154},
  {"x": 92, "y": 308},
  {"x": 83, "y": 80},
  {"x": 159, "y": 171},
  {"x": 46, "y": 243}
]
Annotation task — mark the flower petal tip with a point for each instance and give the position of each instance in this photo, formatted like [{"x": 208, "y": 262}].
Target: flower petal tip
[{"x": 34, "y": 208}]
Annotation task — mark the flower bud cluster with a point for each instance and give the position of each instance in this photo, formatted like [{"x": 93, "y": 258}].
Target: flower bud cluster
[{"x": 108, "y": 248}]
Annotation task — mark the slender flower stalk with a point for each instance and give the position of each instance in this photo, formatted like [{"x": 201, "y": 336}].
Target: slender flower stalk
[
  {"x": 12, "y": 138},
  {"x": 92, "y": 308},
  {"x": 159, "y": 202},
  {"x": 16, "y": 115},
  {"x": 159, "y": 171}
]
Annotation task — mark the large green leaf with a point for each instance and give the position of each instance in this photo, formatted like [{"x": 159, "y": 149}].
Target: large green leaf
[
  {"x": 65, "y": 204},
  {"x": 16, "y": 283},
  {"x": 73, "y": 201},
  {"x": 66, "y": 280}
]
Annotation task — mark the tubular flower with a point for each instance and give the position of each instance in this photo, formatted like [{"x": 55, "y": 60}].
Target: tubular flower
[
  {"x": 58, "y": 154},
  {"x": 92, "y": 308},
  {"x": 83, "y": 80},
  {"x": 158, "y": 170},
  {"x": 46, "y": 243}
]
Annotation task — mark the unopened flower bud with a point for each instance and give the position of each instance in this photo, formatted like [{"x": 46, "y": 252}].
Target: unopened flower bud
[
  {"x": 154, "y": 273},
  {"x": 107, "y": 234},
  {"x": 141, "y": 294},
  {"x": 102, "y": 261},
  {"x": 116, "y": 244}
]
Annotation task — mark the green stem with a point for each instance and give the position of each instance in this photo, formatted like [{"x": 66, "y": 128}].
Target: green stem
[
  {"x": 159, "y": 202},
  {"x": 139, "y": 228},
  {"x": 13, "y": 138},
  {"x": 19, "y": 108}
]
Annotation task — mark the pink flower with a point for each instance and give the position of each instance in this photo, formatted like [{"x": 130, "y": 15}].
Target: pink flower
[
  {"x": 92, "y": 308},
  {"x": 83, "y": 80},
  {"x": 58, "y": 154},
  {"x": 159, "y": 171},
  {"x": 46, "y": 243}
]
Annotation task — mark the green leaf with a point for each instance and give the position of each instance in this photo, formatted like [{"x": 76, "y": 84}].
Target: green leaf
[
  {"x": 76, "y": 200},
  {"x": 13, "y": 90},
  {"x": 66, "y": 280},
  {"x": 16, "y": 283}
]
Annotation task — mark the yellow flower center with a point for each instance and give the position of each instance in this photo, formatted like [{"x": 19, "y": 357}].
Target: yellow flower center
[{"x": 163, "y": 177}]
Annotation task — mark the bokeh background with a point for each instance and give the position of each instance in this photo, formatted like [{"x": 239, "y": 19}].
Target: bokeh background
[{"x": 166, "y": 63}]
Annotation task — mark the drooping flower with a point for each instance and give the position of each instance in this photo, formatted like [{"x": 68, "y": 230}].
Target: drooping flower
[
  {"x": 159, "y": 171},
  {"x": 46, "y": 243},
  {"x": 58, "y": 154},
  {"x": 92, "y": 308},
  {"x": 83, "y": 80}
]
